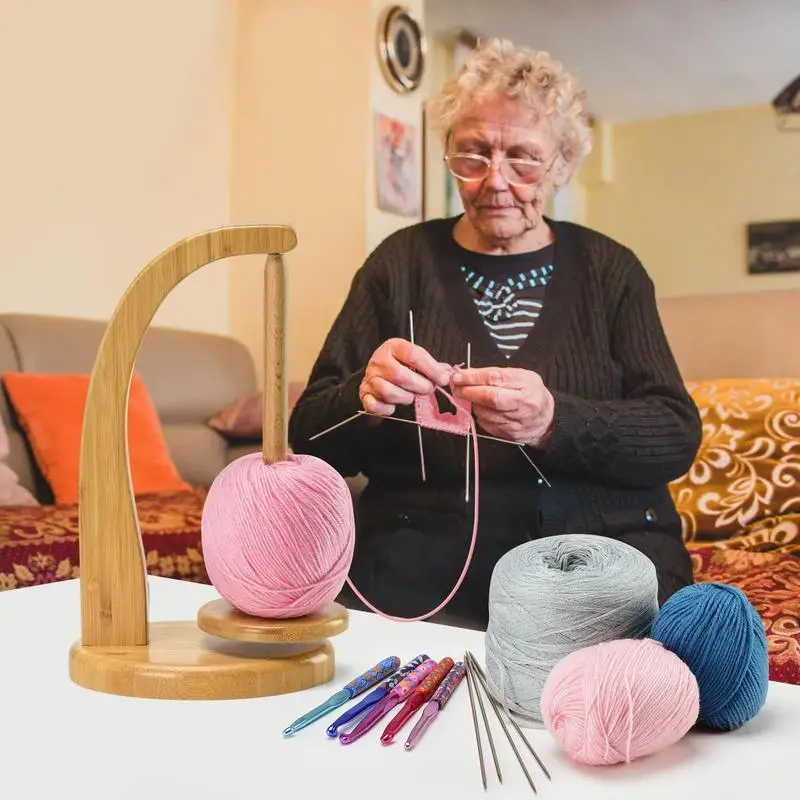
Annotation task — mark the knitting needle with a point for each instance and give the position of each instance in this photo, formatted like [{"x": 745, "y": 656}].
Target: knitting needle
[
  {"x": 471, "y": 660},
  {"x": 466, "y": 491},
  {"x": 472, "y": 689},
  {"x": 489, "y": 735},
  {"x": 419, "y": 429},
  {"x": 337, "y": 425},
  {"x": 533, "y": 464},
  {"x": 511, "y": 719},
  {"x": 495, "y": 705},
  {"x": 363, "y": 413}
]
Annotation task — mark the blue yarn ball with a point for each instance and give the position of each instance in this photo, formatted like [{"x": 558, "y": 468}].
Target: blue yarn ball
[{"x": 716, "y": 632}]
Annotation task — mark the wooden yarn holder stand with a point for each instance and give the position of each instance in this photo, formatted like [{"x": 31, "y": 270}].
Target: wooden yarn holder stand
[{"x": 224, "y": 654}]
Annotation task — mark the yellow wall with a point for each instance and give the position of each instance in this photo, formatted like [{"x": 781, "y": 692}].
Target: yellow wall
[
  {"x": 114, "y": 142},
  {"x": 126, "y": 129},
  {"x": 682, "y": 190},
  {"x": 307, "y": 85}
]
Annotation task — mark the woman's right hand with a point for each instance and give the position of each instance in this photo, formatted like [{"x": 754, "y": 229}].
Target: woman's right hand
[{"x": 397, "y": 372}]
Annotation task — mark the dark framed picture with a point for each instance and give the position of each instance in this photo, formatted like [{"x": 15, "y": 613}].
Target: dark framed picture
[{"x": 773, "y": 247}]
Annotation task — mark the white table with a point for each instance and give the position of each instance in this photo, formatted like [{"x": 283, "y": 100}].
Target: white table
[{"x": 59, "y": 740}]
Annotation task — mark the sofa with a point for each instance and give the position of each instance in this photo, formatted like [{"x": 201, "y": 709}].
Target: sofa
[
  {"x": 740, "y": 503},
  {"x": 189, "y": 376}
]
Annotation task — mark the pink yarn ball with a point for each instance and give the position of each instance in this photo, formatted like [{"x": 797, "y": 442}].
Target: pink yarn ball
[
  {"x": 617, "y": 701},
  {"x": 278, "y": 538}
]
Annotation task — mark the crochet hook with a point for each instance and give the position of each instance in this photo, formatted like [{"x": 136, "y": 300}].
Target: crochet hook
[
  {"x": 397, "y": 695},
  {"x": 356, "y": 687},
  {"x": 418, "y": 698},
  {"x": 436, "y": 704},
  {"x": 375, "y": 696}
]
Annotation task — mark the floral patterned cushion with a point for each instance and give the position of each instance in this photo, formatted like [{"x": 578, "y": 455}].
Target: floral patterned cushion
[{"x": 747, "y": 473}]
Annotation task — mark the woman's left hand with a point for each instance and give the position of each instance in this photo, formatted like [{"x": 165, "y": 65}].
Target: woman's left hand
[{"x": 509, "y": 403}]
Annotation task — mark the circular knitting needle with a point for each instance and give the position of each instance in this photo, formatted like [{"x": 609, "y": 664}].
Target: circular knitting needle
[
  {"x": 466, "y": 489},
  {"x": 472, "y": 689}
]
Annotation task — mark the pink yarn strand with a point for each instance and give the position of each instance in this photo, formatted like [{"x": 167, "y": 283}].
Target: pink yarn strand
[{"x": 422, "y": 617}]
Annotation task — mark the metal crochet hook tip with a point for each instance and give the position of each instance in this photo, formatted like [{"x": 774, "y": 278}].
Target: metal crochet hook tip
[
  {"x": 482, "y": 677},
  {"x": 474, "y": 664},
  {"x": 470, "y": 686}
]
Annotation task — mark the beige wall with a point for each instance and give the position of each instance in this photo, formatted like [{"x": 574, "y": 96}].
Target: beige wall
[
  {"x": 406, "y": 108},
  {"x": 114, "y": 142},
  {"x": 307, "y": 85},
  {"x": 680, "y": 192}
]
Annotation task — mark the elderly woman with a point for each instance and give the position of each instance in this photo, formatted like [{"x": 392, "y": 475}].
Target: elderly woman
[{"x": 568, "y": 359}]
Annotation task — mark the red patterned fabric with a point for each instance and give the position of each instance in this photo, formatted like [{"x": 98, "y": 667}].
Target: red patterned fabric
[
  {"x": 40, "y": 545},
  {"x": 768, "y": 572}
]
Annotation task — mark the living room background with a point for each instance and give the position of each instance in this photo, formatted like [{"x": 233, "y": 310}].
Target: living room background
[{"x": 122, "y": 138}]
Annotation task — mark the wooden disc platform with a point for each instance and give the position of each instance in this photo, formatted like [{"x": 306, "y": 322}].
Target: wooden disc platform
[{"x": 225, "y": 655}]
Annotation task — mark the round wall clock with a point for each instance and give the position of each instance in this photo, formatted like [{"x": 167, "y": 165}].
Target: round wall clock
[{"x": 401, "y": 49}]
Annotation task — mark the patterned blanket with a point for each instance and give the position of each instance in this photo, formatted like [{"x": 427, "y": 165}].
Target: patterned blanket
[
  {"x": 40, "y": 545},
  {"x": 765, "y": 565}
]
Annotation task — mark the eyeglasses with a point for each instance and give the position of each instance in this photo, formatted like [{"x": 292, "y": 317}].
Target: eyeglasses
[{"x": 471, "y": 167}]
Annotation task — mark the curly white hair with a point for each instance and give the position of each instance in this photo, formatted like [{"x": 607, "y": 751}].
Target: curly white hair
[{"x": 533, "y": 78}]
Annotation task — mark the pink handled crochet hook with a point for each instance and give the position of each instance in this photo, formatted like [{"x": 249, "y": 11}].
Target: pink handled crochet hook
[
  {"x": 436, "y": 704},
  {"x": 397, "y": 695},
  {"x": 421, "y": 695}
]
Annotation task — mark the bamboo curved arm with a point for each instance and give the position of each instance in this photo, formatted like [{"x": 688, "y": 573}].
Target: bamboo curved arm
[{"x": 113, "y": 576}]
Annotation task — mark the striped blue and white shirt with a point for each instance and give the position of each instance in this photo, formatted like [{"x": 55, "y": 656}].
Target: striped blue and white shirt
[{"x": 509, "y": 292}]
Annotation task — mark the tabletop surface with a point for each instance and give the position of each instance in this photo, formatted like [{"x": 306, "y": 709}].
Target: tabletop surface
[{"x": 56, "y": 735}]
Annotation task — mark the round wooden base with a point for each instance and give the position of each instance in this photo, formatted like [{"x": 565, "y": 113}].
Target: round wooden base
[
  {"x": 256, "y": 658},
  {"x": 220, "y": 618}
]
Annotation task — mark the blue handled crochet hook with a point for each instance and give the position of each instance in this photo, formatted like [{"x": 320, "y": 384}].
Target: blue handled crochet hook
[
  {"x": 356, "y": 687},
  {"x": 375, "y": 696}
]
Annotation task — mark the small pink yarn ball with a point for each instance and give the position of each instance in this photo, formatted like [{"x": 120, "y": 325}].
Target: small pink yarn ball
[
  {"x": 278, "y": 538},
  {"x": 617, "y": 701}
]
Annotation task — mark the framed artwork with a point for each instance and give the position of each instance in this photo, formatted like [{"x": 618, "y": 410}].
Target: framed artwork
[
  {"x": 773, "y": 247},
  {"x": 397, "y": 167}
]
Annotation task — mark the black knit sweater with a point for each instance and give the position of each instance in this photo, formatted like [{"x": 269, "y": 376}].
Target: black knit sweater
[{"x": 624, "y": 424}]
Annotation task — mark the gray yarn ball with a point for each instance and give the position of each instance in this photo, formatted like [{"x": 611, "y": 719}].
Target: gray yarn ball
[{"x": 552, "y": 596}]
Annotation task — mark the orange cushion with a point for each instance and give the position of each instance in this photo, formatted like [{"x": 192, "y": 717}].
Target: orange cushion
[{"x": 50, "y": 411}]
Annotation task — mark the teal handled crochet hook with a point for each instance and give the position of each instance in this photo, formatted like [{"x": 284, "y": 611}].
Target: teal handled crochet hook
[{"x": 356, "y": 687}]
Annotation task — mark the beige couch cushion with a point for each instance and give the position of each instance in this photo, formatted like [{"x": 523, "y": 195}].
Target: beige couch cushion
[
  {"x": 19, "y": 458},
  {"x": 11, "y": 492},
  {"x": 190, "y": 376},
  {"x": 734, "y": 335}
]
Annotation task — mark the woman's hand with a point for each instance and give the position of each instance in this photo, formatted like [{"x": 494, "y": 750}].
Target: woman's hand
[
  {"x": 397, "y": 372},
  {"x": 509, "y": 403}
]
